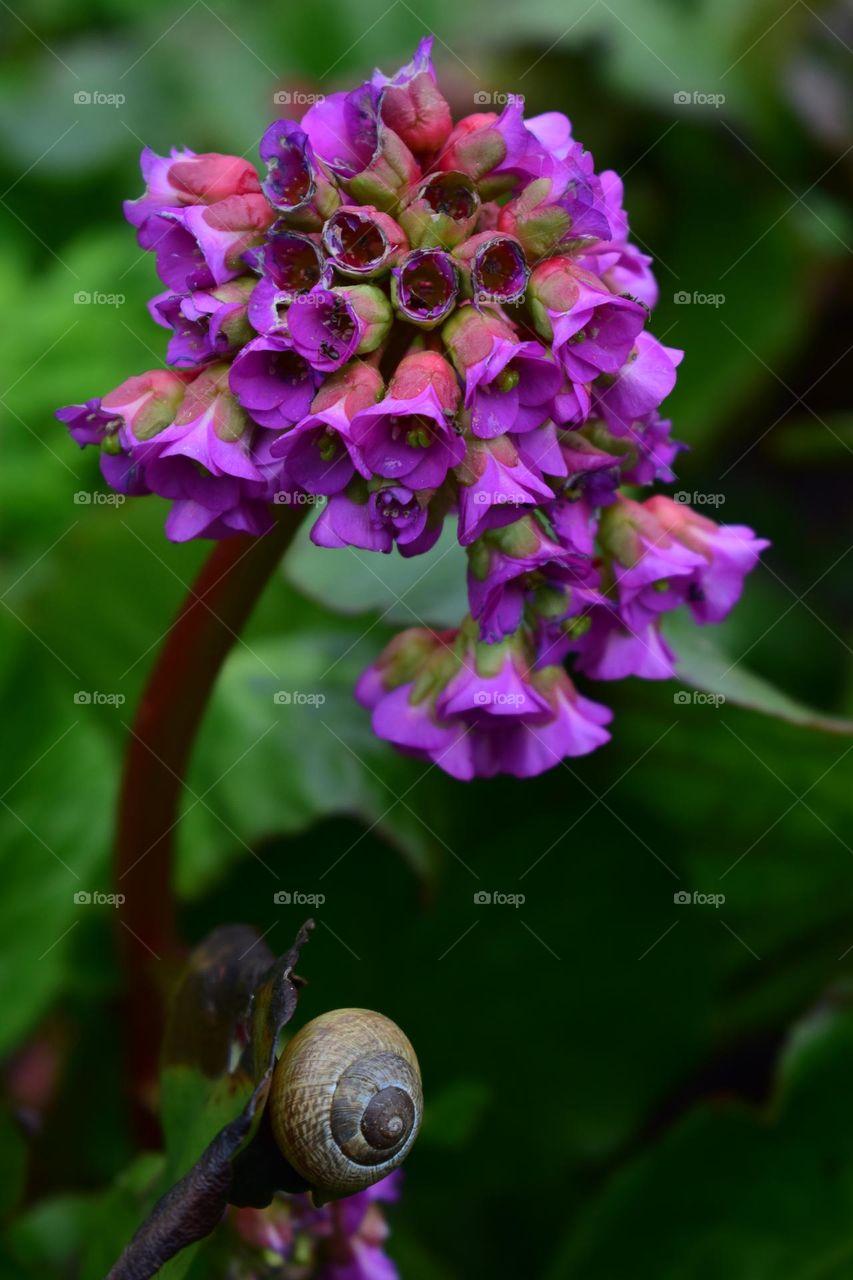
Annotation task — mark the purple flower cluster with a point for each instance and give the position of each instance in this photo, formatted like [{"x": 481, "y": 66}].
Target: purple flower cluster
[
  {"x": 407, "y": 320},
  {"x": 296, "y": 1241}
]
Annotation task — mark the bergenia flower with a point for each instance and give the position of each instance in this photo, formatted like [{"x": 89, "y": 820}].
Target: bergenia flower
[
  {"x": 592, "y": 331},
  {"x": 411, "y": 103},
  {"x": 184, "y": 178},
  {"x": 478, "y": 710},
  {"x": 410, "y": 435},
  {"x": 295, "y": 183},
  {"x": 511, "y": 389},
  {"x": 207, "y": 324},
  {"x": 318, "y": 452},
  {"x": 425, "y": 287},
  {"x": 273, "y": 382},
  {"x": 297, "y": 1241},
  {"x": 289, "y": 263},
  {"x": 404, "y": 320},
  {"x": 377, "y": 519},
  {"x": 442, "y": 212},
  {"x": 664, "y": 555},
  {"x": 324, "y": 329},
  {"x": 363, "y": 242}
]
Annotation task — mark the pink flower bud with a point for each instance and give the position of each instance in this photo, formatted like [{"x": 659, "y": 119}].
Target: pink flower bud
[
  {"x": 210, "y": 177},
  {"x": 412, "y": 104},
  {"x": 475, "y": 146},
  {"x": 391, "y": 171},
  {"x": 469, "y": 336},
  {"x": 149, "y": 402},
  {"x": 353, "y": 388},
  {"x": 424, "y": 369},
  {"x": 538, "y": 223}
]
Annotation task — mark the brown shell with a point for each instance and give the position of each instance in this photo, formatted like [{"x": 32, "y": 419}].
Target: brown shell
[{"x": 346, "y": 1101}]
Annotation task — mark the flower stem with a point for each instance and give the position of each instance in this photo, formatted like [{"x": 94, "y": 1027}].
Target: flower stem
[{"x": 161, "y": 739}]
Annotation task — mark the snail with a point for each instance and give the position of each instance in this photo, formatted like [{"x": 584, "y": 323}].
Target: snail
[{"x": 346, "y": 1101}]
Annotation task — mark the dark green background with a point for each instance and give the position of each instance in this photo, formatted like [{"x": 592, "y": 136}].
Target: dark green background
[{"x": 616, "y": 1085}]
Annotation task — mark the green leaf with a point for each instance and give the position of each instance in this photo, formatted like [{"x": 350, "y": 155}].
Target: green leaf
[
  {"x": 285, "y": 744},
  {"x": 50, "y": 848},
  {"x": 427, "y": 591},
  {"x": 703, "y": 665},
  {"x": 730, "y": 1191}
]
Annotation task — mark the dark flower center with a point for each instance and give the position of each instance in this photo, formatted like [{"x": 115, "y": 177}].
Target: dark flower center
[
  {"x": 292, "y": 262},
  {"x": 428, "y": 282},
  {"x": 288, "y": 367},
  {"x": 451, "y": 194},
  {"x": 354, "y": 240},
  {"x": 500, "y": 270},
  {"x": 290, "y": 176}
]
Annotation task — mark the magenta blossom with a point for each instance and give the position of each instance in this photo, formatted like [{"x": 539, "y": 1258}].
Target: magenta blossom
[
  {"x": 495, "y": 485},
  {"x": 512, "y": 389},
  {"x": 408, "y": 440},
  {"x": 665, "y": 555},
  {"x": 273, "y": 382},
  {"x": 405, "y": 319},
  {"x": 476, "y": 710},
  {"x": 377, "y": 520}
]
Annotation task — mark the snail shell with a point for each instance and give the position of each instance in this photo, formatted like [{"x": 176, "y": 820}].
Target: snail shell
[{"x": 346, "y": 1101}]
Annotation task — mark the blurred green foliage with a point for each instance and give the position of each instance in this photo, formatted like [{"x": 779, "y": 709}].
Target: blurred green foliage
[{"x": 605, "y": 1089}]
